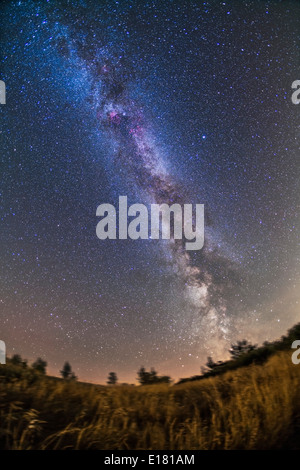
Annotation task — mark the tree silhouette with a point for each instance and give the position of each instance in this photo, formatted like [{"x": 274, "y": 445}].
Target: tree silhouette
[
  {"x": 143, "y": 376},
  {"x": 40, "y": 365},
  {"x": 17, "y": 360},
  {"x": 240, "y": 348},
  {"x": 149, "y": 378},
  {"x": 153, "y": 376},
  {"x": 164, "y": 379},
  {"x": 211, "y": 365},
  {"x": 66, "y": 371},
  {"x": 112, "y": 378}
]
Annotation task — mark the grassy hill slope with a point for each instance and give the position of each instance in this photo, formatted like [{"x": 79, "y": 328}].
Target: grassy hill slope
[{"x": 253, "y": 407}]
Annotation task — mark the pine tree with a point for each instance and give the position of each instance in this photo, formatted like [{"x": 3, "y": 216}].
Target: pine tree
[
  {"x": 112, "y": 378},
  {"x": 40, "y": 365},
  {"x": 66, "y": 371}
]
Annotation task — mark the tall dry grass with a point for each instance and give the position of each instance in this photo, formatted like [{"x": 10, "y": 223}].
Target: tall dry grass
[{"x": 255, "y": 407}]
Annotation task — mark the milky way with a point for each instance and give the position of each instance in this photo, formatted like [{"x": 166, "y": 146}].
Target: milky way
[
  {"x": 165, "y": 102},
  {"x": 205, "y": 309}
]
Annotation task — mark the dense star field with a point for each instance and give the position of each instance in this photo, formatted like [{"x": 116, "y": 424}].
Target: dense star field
[{"x": 162, "y": 102}]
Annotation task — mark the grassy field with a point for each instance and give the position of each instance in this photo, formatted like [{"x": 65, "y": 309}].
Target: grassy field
[{"x": 254, "y": 407}]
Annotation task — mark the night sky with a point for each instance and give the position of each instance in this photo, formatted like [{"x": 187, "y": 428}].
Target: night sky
[{"x": 160, "y": 101}]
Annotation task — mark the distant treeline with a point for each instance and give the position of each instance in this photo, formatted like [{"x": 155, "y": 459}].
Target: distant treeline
[{"x": 244, "y": 353}]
